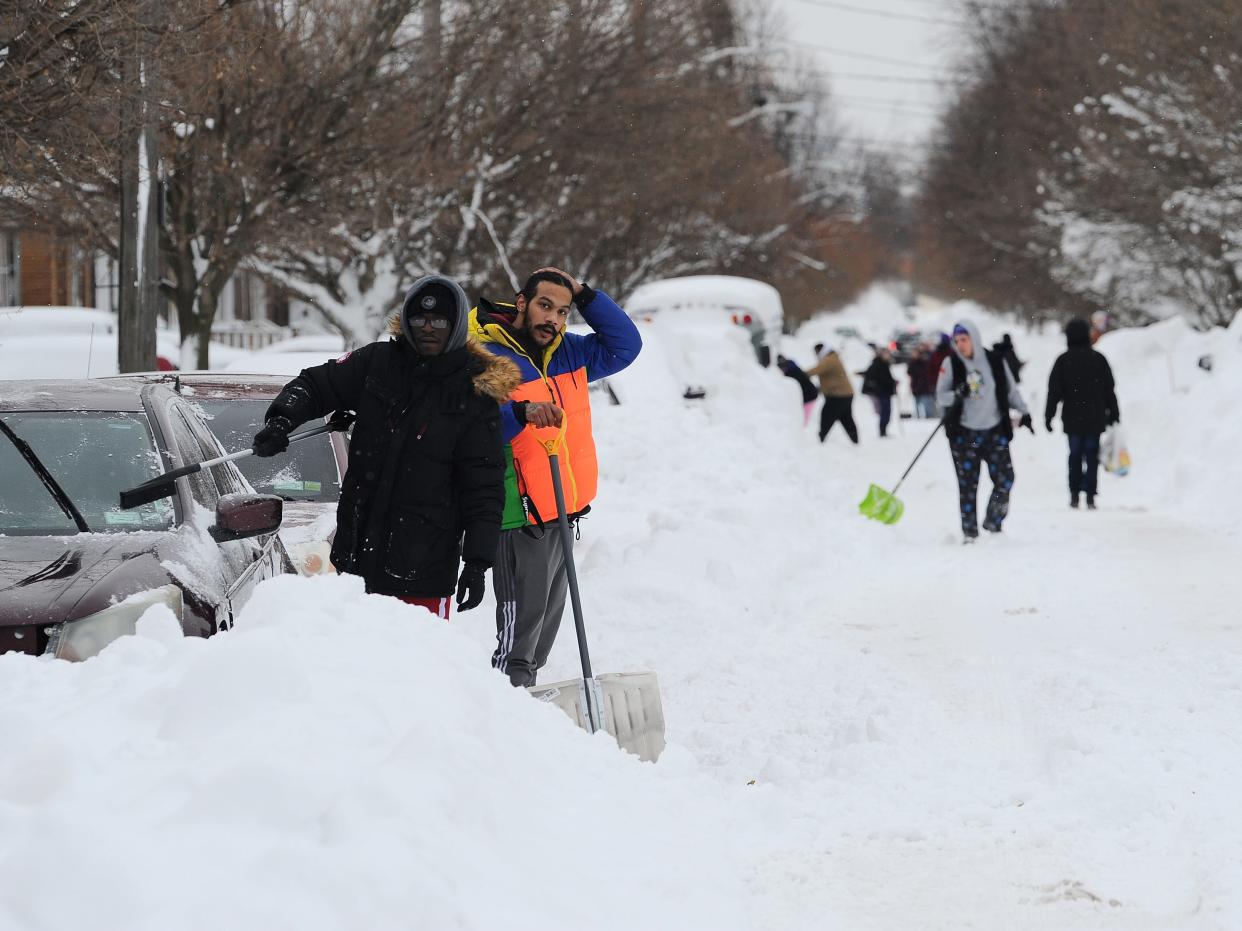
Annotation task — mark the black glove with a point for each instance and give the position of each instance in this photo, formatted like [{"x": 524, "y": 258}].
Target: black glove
[
  {"x": 962, "y": 390},
  {"x": 1048, "y": 424},
  {"x": 471, "y": 586},
  {"x": 582, "y": 300},
  {"x": 273, "y": 439},
  {"x": 1115, "y": 418},
  {"x": 1026, "y": 422}
]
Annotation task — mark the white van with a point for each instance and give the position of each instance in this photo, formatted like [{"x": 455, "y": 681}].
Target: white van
[{"x": 745, "y": 302}]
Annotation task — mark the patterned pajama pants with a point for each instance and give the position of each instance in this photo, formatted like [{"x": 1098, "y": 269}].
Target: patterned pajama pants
[{"x": 970, "y": 448}]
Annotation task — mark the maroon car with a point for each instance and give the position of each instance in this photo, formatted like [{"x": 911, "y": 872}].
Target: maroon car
[{"x": 77, "y": 571}]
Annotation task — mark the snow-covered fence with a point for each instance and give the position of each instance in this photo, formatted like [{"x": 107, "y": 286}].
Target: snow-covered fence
[{"x": 249, "y": 334}]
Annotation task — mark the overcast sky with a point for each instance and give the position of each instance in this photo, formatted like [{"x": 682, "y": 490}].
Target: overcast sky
[{"x": 881, "y": 56}]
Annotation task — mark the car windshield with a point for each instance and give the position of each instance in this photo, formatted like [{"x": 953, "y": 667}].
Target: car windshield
[
  {"x": 93, "y": 456},
  {"x": 307, "y": 472}
]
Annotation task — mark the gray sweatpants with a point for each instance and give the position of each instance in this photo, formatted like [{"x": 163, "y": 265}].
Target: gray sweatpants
[{"x": 530, "y": 582}]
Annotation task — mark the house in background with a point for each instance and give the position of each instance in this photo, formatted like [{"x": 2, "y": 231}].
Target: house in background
[
  {"x": 41, "y": 269},
  {"x": 44, "y": 270}
]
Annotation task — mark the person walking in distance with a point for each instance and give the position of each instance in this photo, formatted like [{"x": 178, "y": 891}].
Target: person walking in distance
[
  {"x": 1081, "y": 383},
  {"x": 550, "y": 411},
  {"x": 879, "y": 385},
  {"x": 425, "y": 484},
  {"x": 977, "y": 390},
  {"x": 834, "y": 382},
  {"x": 922, "y": 381}
]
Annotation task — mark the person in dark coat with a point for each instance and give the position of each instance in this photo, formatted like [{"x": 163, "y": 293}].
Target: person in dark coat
[
  {"x": 425, "y": 483},
  {"x": 880, "y": 386},
  {"x": 810, "y": 394},
  {"x": 943, "y": 350},
  {"x": 922, "y": 381},
  {"x": 1082, "y": 384},
  {"x": 1010, "y": 355}
]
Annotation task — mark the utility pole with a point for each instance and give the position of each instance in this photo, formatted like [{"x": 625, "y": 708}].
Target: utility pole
[
  {"x": 638, "y": 17},
  {"x": 432, "y": 29},
  {"x": 140, "y": 198}
]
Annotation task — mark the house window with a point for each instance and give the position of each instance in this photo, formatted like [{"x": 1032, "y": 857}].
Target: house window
[
  {"x": 248, "y": 297},
  {"x": 10, "y": 269}
]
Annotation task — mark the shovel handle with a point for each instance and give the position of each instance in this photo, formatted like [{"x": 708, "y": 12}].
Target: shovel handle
[
  {"x": 917, "y": 456},
  {"x": 594, "y": 712}
]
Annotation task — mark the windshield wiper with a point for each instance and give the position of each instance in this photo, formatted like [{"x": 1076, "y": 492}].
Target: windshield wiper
[{"x": 63, "y": 500}]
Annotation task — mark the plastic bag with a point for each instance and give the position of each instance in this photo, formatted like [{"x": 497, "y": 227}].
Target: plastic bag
[{"x": 1114, "y": 455}]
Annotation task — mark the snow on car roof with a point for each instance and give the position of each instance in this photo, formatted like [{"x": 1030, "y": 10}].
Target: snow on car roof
[
  {"x": 723, "y": 291},
  {"x": 70, "y": 394}
]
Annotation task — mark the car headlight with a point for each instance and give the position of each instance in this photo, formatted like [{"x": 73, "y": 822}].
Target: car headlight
[{"x": 85, "y": 637}]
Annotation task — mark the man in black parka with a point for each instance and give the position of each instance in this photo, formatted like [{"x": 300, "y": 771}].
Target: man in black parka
[
  {"x": 1082, "y": 381},
  {"x": 425, "y": 483}
]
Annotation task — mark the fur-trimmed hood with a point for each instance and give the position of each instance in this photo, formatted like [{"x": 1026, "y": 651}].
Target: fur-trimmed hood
[{"x": 493, "y": 376}]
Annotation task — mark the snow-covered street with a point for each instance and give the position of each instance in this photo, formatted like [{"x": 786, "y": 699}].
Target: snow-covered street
[
  {"x": 870, "y": 727},
  {"x": 1038, "y": 731}
]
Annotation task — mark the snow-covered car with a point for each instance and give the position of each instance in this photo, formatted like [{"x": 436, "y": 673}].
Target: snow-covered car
[
  {"x": 308, "y": 477},
  {"x": 752, "y": 305},
  {"x": 76, "y": 570},
  {"x": 903, "y": 340}
]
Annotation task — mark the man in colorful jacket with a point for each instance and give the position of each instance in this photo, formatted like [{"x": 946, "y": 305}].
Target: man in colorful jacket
[{"x": 549, "y": 410}]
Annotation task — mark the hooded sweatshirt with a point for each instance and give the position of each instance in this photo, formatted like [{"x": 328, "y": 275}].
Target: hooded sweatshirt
[
  {"x": 437, "y": 294},
  {"x": 980, "y": 410}
]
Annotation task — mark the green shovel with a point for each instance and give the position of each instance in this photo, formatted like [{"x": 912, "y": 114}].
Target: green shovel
[{"x": 885, "y": 506}]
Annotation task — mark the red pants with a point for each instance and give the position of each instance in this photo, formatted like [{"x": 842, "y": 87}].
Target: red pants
[{"x": 437, "y": 606}]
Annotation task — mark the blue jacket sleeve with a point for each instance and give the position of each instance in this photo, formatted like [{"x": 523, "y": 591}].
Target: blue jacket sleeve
[
  {"x": 509, "y": 425},
  {"x": 615, "y": 342}
]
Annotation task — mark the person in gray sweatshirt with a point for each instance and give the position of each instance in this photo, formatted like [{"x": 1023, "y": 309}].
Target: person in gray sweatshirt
[{"x": 976, "y": 389}]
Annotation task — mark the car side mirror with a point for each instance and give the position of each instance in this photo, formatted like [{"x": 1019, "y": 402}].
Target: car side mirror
[{"x": 241, "y": 515}]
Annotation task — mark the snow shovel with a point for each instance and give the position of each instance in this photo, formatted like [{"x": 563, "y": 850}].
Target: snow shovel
[
  {"x": 164, "y": 486},
  {"x": 626, "y": 705},
  {"x": 885, "y": 506}
]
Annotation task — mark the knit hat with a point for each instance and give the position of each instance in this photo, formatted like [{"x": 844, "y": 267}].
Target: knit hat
[{"x": 436, "y": 294}]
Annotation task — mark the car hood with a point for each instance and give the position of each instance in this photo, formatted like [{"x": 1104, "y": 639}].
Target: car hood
[
  {"x": 47, "y": 580},
  {"x": 303, "y": 513}
]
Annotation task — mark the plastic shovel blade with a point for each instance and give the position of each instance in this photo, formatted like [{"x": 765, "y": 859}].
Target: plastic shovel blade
[
  {"x": 882, "y": 506},
  {"x": 632, "y": 711}
]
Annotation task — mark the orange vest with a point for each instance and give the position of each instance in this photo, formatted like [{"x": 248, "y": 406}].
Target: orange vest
[{"x": 572, "y": 442}]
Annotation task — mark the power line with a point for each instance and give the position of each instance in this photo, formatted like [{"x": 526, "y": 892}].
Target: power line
[
  {"x": 883, "y": 14},
  {"x": 906, "y": 104},
  {"x": 856, "y": 76},
  {"x": 982, "y": 4},
  {"x": 863, "y": 56}
]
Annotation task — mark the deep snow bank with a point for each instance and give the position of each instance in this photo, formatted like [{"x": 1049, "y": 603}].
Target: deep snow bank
[
  {"x": 1180, "y": 420},
  {"x": 338, "y": 760}
]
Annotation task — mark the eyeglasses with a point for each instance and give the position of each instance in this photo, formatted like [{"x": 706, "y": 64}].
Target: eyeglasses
[{"x": 437, "y": 323}]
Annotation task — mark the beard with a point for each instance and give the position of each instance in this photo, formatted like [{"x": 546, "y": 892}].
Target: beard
[{"x": 542, "y": 334}]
